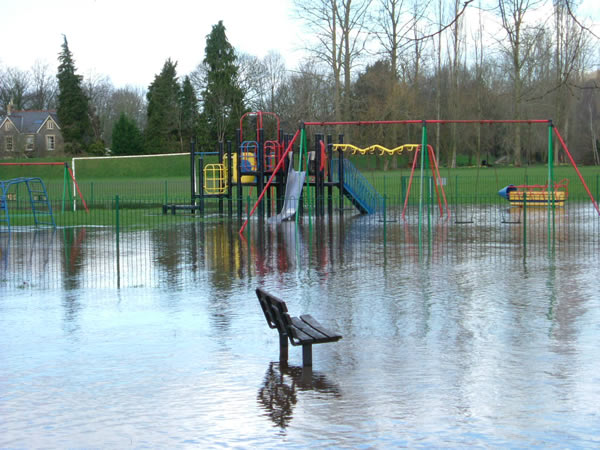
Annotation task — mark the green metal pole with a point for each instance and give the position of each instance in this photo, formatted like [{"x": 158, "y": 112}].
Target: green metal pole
[
  {"x": 118, "y": 244},
  {"x": 384, "y": 225},
  {"x": 117, "y": 225},
  {"x": 166, "y": 192},
  {"x": 524, "y": 224},
  {"x": 64, "y": 195},
  {"x": 302, "y": 149}
]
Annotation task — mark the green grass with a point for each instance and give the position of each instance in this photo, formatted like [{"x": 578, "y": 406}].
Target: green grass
[{"x": 154, "y": 181}]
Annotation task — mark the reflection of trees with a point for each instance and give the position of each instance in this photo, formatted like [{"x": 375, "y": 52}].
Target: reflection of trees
[{"x": 278, "y": 395}]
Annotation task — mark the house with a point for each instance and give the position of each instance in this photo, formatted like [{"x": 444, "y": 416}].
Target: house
[{"x": 30, "y": 134}]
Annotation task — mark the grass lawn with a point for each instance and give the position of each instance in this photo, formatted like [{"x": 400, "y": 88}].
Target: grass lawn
[{"x": 167, "y": 180}]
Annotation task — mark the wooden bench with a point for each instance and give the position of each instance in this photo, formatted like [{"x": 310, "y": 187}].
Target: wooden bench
[{"x": 303, "y": 330}]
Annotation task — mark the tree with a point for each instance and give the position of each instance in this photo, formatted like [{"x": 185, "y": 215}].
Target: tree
[
  {"x": 43, "y": 87},
  {"x": 73, "y": 107},
  {"x": 14, "y": 86},
  {"x": 128, "y": 100},
  {"x": 126, "y": 137},
  {"x": 518, "y": 54},
  {"x": 188, "y": 113},
  {"x": 223, "y": 99},
  {"x": 339, "y": 27},
  {"x": 163, "y": 126}
]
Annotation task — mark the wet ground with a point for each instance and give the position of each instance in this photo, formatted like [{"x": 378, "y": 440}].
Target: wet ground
[{"x": 467, "y": 335}]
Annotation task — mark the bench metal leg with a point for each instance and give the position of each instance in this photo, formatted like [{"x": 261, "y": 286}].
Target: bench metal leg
[
  {"x": 283, "y": 348},
  {"x": 307, "y": 355}
]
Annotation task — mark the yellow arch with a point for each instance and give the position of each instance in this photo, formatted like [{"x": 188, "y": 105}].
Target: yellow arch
[{"x": 375, "y": 148}]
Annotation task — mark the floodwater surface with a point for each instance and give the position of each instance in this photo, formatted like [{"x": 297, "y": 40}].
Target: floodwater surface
[{"x": 158, "y": 340}]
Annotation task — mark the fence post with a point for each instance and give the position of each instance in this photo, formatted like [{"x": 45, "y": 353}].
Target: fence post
[
  {"x": 117, "y": 226},
  {"x": 524, "y": 224}
]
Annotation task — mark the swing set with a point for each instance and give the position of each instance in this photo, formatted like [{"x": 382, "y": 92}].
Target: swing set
[{"x": 427, "y": 158}]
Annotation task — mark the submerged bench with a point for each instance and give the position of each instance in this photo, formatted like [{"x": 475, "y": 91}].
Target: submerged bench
[{"x": 303, "y": 330}]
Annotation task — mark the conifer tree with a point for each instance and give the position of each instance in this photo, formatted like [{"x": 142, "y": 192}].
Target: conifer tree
[
  {"x": 163, "y": 126},
  {"x": 189, "y": 113},
  {"x": 223, "y": 100},
  {"x": 73, "y": 105},
  {"x": 126, "y": 137}
]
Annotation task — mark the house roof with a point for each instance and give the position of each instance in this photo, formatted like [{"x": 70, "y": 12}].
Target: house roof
[{"x": 31, "y": 121}]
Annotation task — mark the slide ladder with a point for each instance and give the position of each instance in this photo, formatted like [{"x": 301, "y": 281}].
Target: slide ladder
[{"x": 357, "y": 188}]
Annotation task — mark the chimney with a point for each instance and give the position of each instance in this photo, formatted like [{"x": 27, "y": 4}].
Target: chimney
[{"x": 9, "y": 107}]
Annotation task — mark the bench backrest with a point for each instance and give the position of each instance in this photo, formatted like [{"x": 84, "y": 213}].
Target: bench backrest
[{"x": 275, "y": 311}]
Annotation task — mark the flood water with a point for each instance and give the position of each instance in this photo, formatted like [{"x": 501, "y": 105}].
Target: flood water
[{"x": 157, "y": 339}]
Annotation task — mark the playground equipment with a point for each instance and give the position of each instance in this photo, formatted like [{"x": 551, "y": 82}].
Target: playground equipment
[
  {"x": 38, "y": 201},
  {"x": 536, "y": 194},
  {"x": 248, "y": 164},
  {"x": 381, "y": 150},
  {"x": 68, "y": 174},
  {"x": 267, "y": 165}
]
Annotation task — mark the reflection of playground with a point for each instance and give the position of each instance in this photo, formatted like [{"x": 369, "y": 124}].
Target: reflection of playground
[{"x": 279, "y": 392}]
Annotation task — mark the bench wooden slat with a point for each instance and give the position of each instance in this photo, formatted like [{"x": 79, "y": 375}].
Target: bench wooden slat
[
  {"x": 313, "y": 333},
  {"x": 313, "y": 323}
]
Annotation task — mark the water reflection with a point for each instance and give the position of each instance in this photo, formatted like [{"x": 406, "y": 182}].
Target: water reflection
[
  {"x": 174, "y": 255},
  {"x": 282, "y": 383}
]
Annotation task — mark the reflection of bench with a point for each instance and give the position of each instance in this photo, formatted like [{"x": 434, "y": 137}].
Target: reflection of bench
[{"x": 303, "y": 330}]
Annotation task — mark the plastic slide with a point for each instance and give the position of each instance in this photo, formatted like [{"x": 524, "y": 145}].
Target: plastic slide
[{"x": 293, "y": 190}]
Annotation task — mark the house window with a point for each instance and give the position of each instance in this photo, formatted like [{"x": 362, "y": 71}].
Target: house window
[
  {"x": 50, "y": 125},
  {"x": 29, "y": 143},
  {"x": 8, "y": 144},
  {"x": 49, "y": 143},
  {"x": 7, "y": 126}
]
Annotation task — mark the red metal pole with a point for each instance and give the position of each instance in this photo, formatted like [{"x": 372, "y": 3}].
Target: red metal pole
[
  {"x": 412, "y": 171},
  {"x": 418, "y": 122},
  {"x": 564, "y": 146},
  {"x": 436, "y": 176},
  {"x": 34, "y": 164},
  {"x": 277, "y": 167},
  {"x": 77, "y": 187}
]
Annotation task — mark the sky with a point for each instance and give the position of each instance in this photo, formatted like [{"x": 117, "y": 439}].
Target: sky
[{"x": 129, "y": 40}]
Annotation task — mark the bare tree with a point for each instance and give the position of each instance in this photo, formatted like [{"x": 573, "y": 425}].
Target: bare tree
[
  {"x": 455, "y": 58},
  {"x": 570, "y": 49},
  {"x": 339, "y": 27},
  {"x": 44, "y": 87},
  {"x": 275, "y": 74},
  {"x": 14, "y": 88},
  {"x": 517, "y": 48},
  {"x": 391, "y": 28},
  {"x": 98, "y": 89},
  {"x": 251, "y": 78}
]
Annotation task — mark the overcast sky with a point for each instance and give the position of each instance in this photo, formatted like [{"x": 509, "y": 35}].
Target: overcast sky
[{"x": 129, "y": 40}]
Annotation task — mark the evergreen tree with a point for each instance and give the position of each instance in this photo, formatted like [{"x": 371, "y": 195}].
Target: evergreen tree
[
  {"x": 163, "y": 126},
  {"x": 73, "y": 105},
  {"x": 126, "y": 136},
  {"x": 189, "y": 113},
  {"x": 223, "y": 98}
]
